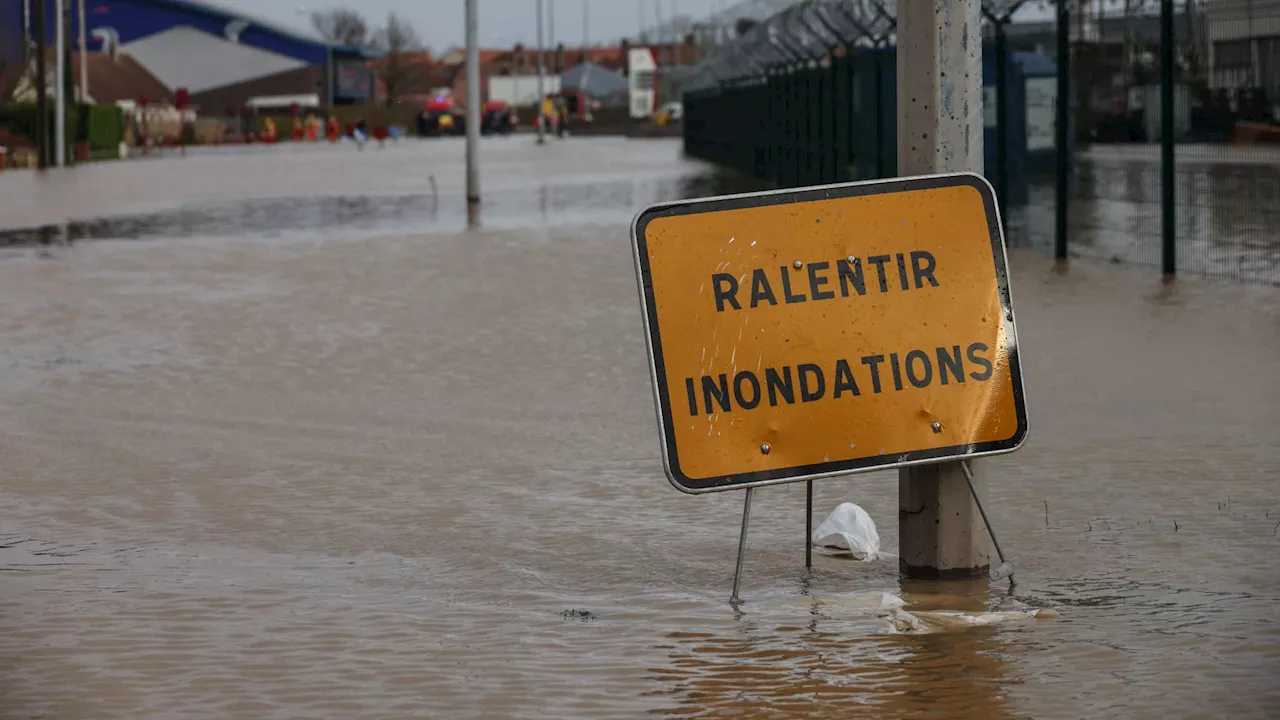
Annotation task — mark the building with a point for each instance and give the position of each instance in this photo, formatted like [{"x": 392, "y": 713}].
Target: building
[
  {"x": 222, "y": 58},
  {"x": 112, "y": 78},
  {"x": 1244, "y": 45}
]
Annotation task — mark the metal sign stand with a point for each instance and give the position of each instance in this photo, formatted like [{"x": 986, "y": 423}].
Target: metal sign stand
[
  {"x": 735, "y": 599},
  {"x": 808, "y": 523},
  {"x": 1002, "y": 571},
  {"x": 742, "y": 549},
  {"x": 1005, "y": 569}
]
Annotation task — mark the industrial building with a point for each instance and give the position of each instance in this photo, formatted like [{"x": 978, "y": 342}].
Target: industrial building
[{"x": 222, "y": 58}]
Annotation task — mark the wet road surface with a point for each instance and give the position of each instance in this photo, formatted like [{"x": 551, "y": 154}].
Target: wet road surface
[
  {"x": 1226, "y": 220},
  {"x": 320, "y": 468}
]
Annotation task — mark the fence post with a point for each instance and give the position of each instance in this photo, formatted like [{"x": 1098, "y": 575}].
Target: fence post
[
  {"x": 1168, "y": 194},
  {"x": 1062, "y": 133}
]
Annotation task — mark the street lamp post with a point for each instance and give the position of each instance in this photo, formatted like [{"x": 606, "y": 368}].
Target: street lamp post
[
  {"x": 473, "y": 105},
  {"x": 542, "y": 120}
]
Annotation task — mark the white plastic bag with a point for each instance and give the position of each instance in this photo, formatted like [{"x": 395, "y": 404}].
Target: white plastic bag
[
  {"x": 851, "y": 529},
  {"x": 936, "y": 621}
]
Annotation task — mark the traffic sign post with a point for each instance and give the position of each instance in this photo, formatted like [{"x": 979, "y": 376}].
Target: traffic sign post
[{"x": 800, "y": 334}]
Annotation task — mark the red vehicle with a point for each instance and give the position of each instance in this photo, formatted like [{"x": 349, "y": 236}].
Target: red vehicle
[
  {"x": 497, "y": 117},
  {"x": 441, "y": 117}
]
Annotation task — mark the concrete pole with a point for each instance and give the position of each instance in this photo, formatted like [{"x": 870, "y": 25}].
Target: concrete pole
[
  {"x": 60, "y": 94},
  {"x": 940, "y": 130},
  {"x": 542, "y": 131},
  {"x": 84, "y": 55},
  {"x": 473, "y": 105}
]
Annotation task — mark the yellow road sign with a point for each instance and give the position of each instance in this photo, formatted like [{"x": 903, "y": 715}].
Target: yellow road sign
[{"x": 801, "y": 333}]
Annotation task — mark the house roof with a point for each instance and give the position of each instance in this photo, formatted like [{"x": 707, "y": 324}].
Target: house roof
[
  {"x": 458, "y": 56},
  {"x": 112, "y": 79},
  {"x": 594, "y": 80}
]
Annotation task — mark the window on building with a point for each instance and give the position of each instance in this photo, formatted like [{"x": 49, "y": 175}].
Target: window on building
[{"x": 1232, "y": 55}]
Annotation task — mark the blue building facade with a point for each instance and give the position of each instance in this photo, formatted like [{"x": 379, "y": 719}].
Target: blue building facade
[{"x": 211, "y": 51}]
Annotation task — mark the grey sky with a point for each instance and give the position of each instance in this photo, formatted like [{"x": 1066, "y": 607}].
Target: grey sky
[{"x": 502, "y": 22}]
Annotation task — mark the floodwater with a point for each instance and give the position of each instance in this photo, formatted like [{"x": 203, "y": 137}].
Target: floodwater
[
  {"x": 301, "y": 461},
  {"x": 1226, "y": 219}
]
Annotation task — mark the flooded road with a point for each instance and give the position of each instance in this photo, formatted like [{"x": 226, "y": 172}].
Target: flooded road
[
  {"x": 392, "y": 467},
  {"x": 1227, "y": 214}
]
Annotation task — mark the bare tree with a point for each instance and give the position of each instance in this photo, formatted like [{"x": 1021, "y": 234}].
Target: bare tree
[
  {"x": 342, "y": 26},
  {"x": 397, "y": 71}
]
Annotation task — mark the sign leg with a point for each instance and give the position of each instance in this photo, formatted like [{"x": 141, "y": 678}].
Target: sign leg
[
  {"x": 808, "y": 523},
  {"x": 1006, "y": 568},
  {"x": 742, "y": 547}
]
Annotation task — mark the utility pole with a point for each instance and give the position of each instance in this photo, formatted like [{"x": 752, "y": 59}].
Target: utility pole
[
  {"x": 542, "y": 119},
  {"x": 26, "y": 32},
  {"x": 42, "y": 89},
  {"x": 1062, "y": 135},
  {"x": 473, "y": 104},
  {"x": 1168, "y": 178},
  {"x": 941, "y": 532},
  {"x": 660, "y": 32},
  {"x": 84, "y": 55},
  {"x": 60, "y": 93}
]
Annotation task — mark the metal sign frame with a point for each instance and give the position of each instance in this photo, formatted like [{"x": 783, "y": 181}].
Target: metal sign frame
[{"x": 653, "y": 338}]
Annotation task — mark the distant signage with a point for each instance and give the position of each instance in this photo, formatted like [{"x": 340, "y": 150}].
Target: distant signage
[
  {"x": 1042, "y": 102},
  {"x": 352, "y": 79},
  {"x": 803, "y": 333},
  {"x": 642, "y": 82}
]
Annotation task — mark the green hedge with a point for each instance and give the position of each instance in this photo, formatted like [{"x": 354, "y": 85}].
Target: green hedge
[
  {"x": 105, "y": 127},
  {"x": 101, "y": 125}
]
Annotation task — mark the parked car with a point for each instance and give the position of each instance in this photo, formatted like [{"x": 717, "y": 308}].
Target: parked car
[
  {"x": 497, "y": 118},
  {"x": 441, "y": 117}
]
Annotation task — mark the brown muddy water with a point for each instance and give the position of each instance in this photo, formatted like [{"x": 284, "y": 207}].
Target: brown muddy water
[{"x": 296, "y": 460}]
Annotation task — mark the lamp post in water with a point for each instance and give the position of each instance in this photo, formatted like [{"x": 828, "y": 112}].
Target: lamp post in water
[
  {"x": 473, "y": 106},
  {"x": 542, "y": 131},
  {"x": 60, "y": 94}
]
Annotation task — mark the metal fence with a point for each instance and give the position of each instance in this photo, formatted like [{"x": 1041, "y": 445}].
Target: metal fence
[{"x": 808, "y": 96}]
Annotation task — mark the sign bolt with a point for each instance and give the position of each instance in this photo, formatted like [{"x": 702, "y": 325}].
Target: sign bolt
[
  {"x": 851, "y": 260},
  {"x": 765, "y": 448},
  {"x": 798, "y": 264},
  {"x": 937, "y": 426}
]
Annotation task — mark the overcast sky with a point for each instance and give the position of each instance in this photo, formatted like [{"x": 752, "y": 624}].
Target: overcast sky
[{"x": 502, "y": 22}]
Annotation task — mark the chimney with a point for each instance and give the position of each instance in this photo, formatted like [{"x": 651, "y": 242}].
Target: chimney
[{"x": 110, "y": 41}]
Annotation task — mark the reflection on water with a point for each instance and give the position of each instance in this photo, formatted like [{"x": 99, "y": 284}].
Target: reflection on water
[
  {"x": 1227, "y": 213},
  {"x": 364, "y": 215},
  {"x": 366, "y": 473},
  {"x": 823, "y": 661}
]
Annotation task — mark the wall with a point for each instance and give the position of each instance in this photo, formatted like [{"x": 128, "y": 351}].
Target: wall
[{"x": 300, "y": 81}]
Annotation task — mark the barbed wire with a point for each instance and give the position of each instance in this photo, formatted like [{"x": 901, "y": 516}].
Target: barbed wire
[{"x": 772, "y": 35}]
